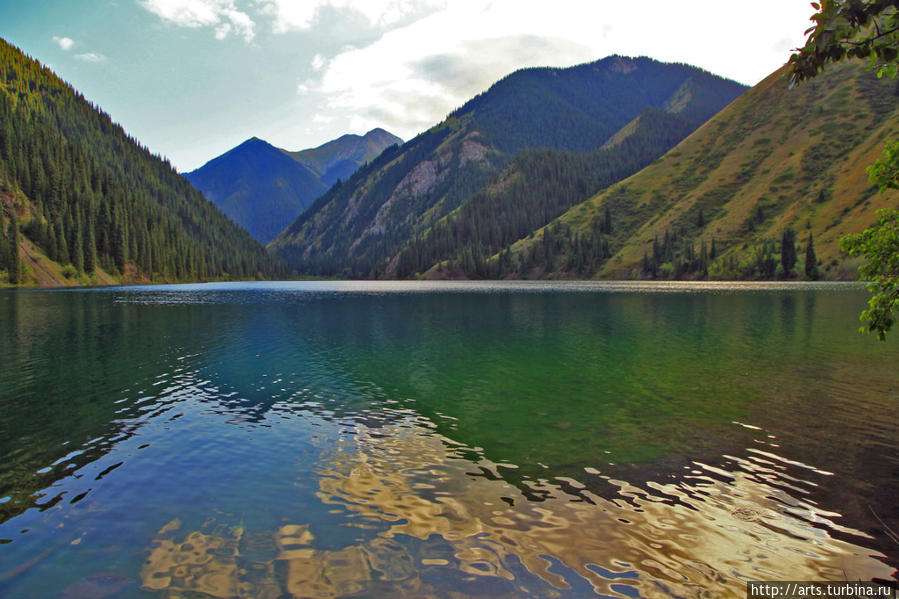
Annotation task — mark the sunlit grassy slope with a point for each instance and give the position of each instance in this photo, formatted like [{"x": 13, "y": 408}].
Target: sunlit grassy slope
[{"x": 775, "y": 158}]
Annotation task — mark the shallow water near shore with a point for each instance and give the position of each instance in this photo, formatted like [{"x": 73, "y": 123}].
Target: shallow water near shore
[{"x": 405, "y": 439}]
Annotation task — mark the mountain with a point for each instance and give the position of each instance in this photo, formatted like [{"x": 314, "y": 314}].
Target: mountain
[
  {"x": 533, "y": 189},
  {"x": 357, "y": 228},
  {"x": 340, "y": 158},
  {"x": 81, "y": 202},
  {"x": 258, "y": 186},
  {"x": 718, "y": 204},
  {"x": 264, "y": 188}
]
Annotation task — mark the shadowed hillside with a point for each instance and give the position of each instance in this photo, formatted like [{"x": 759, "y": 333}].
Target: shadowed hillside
[
  {"x": 264, "y": 188},
  {"x": 83, "y": 203}
]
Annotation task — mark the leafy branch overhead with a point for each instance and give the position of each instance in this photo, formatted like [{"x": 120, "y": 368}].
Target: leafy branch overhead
[
  {"x": 850, "y": 29},
  {"x": 864, "y": 29},
  {"x": 880, "y": 245}
]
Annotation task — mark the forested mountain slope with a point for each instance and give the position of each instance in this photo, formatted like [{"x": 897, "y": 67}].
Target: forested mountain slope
[
  {"x": 82, "y": 199},
  {"x": 778, "y": 167},
  {"x": 357, "y": 229},
  {"x": 264, "y": 188},
  {"x": 536, "y": 187}
]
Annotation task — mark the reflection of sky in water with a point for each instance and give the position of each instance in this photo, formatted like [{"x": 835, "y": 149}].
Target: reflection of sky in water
[
  {"x": 403, "y": 439},
  {"x": 422, "y": 519}
]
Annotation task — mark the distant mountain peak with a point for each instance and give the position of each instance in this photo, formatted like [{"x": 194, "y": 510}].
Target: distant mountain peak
[
  {"x": 622, "y": 64},
  {"x": 377, "y": 132},
  {"x": 251, "y": 142},
  {"x": 263, "y": 188},
  {"x": 339, "y": 158}
]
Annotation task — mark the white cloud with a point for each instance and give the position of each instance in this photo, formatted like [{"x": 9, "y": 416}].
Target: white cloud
[
  {"x": 222, "y": 31},
  {"x": 222, "y": 15},
  {"x": 65, "y": 43},
  {"x": 296, "y": 15},
  {"x": 290, "y": 15},
  {"x": 91, "y": 57},
  {"x": 350, "y": 65},
  {"x": 414, "y": 75},
  {"x": 418, "y": 71}
]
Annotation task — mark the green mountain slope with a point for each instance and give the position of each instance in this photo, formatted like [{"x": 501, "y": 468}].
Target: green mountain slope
[
  {"x": 536, "y": 187},
  {"x": 718, "y": 204},
  {"x": 264, "y": 188},
  {"x": 356, "y": 229},
  {"x": 81, "y": 194}
]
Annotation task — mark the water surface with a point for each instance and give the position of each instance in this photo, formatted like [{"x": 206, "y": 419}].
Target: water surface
[{"x": 443, "y": 439}]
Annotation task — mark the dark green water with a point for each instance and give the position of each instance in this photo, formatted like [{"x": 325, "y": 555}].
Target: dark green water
[{"x": 443, "y": 440}]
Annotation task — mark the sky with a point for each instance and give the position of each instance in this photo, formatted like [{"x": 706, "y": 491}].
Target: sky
[{"x": 191, "y": 79}]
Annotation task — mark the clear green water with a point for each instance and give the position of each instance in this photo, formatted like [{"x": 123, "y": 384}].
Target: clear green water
[{"x": 443, "y": 440}]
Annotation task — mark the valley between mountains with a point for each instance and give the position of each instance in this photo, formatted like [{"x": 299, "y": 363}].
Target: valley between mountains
[{"x": 624, "y": 168}]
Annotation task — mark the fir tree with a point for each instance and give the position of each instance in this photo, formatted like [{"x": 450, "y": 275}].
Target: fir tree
[
  {"x": 62, "y": 249},
  {"x": 78, "y": 251},
  {"x": 13, "y": 265},
  {"x": 788, "y": 251},
  {"x": 120, "y": 248},
  {"x": 811, "y": 260},
  {"x": 51, "y": 249},
  {"x": 90, "y": 251},
  {"x": 4, "y": 244}
]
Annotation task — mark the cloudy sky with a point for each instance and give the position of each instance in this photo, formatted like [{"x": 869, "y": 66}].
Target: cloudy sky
[{"x": 192, "y": 78}]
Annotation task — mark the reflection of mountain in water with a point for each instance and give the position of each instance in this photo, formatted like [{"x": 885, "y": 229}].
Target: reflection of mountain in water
[
  {"x": 81, "y": 375},
  {"x": 705, "y": 534}
]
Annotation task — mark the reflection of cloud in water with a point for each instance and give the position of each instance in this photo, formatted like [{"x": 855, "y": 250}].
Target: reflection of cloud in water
[
  {"x": 709, "y": 532},
  {"x": 705, "y": 535},
  {"x": 203, "y": 563}
]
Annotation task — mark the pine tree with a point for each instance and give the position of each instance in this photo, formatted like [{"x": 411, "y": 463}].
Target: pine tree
[
  {"x": 78, "y": 251},
  {"x": 13, "y": 265},
  {"x": 703, "y": 260},
  {"x": 811, "y": 260},
  {"x": 62, "y": 248},
  {"x": 788, "y": 251},
  {"x": 4, "y": 244},
  {"x": 71, "y": 233},
  {"x": 51, "y": 249},
  {"x": 90, "y": 251},
  {"x": 120, "y": 248}
]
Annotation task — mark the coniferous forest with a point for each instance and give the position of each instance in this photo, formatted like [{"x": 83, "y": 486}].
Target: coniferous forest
[
  {"x": 88, "y": 197},
  {"x": 536, "y": 187},
  {"x": 553, "y": 136}
]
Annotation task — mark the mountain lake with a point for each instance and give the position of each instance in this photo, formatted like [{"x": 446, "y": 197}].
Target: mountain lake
[{"x": 470, "y": 439}]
